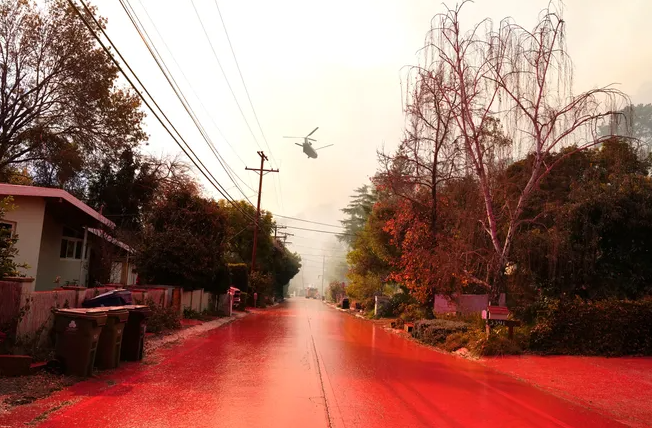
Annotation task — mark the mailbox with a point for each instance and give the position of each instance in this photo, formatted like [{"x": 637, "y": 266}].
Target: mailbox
[
  {"x": 497, "y": 316},
  {"x": 495, "y": 313}
]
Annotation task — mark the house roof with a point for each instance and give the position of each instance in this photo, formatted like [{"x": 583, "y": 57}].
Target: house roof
[
  {"x": 111, "y": 239},
  {"x": 47, "y": 192}
]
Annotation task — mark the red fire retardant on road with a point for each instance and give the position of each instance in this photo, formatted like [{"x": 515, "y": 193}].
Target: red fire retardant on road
[
  {"x": 305, "y": 365},
  {"x": 619, "y": 386}
]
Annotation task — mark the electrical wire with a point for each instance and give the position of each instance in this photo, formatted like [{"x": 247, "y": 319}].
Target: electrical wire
[
  {"x": 319, "y": 231},
  {"x": 210, "y": 117},
  {"x": 142, "y": 32},
  {"x": 318, "y": 249},
  {"x": 219, "y": 63},
  {"x": 244, "y": 84},
  {"x": 307, "y": 221},
  {"x": 187, "y": 149},
  {"x": 322, "y": 255}
]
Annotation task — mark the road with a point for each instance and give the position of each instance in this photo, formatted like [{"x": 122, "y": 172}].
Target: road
[{"x": 304, "y": 364}]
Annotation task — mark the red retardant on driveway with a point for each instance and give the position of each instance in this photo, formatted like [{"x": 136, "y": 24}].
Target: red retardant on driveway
[
  {"x": 621, "y": 387},
  {"x": 305, "y": 365}
]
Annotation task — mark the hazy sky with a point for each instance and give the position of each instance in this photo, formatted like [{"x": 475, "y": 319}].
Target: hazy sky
[{"x": 337, "y": 65}]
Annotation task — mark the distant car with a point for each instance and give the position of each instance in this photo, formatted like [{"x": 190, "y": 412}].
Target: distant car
[
  {"x": 345, "y": 303},
  {"x": 235, "y": 292}
]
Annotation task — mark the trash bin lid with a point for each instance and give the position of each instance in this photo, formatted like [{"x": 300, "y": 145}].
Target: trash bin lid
[
  {"x": 134, "y": 307},
  {"x": 80, "y": 311},
  {"x": 119, "y": 312},
  {"x": 96, "y": 314}
]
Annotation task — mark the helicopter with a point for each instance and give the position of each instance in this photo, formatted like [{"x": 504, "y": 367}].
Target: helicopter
[{"x": 307, "y": 145}]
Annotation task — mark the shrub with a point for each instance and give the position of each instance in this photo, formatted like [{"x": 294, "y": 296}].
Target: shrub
[
  {"x": 162, "y": 318},
  {"x": 191, "y": 314},
  {"x": 412, "y": 312},
  {"x": 456, "y": 341},
  {"x": 495, "y": 345},
  {"x": 435, "y": 332},
  {"x": 397, "y": 304},
  {"x": 398, "y": 323},
  {"x": 608, "y": 327}
]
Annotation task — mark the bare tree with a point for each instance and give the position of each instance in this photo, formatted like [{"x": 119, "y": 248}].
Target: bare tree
[
  {"x": 521, "y": 80},
  {"x": 429, "y": 154}
]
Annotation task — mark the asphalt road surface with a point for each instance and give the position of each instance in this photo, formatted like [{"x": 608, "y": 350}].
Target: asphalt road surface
[{"x": 304, "y": 364}]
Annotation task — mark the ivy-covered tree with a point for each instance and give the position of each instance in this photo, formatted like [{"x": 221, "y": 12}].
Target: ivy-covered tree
[{"x": 284, "y": 266}]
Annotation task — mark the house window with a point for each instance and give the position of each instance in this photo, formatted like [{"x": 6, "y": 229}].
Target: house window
[
  {"x": 71, "y": 244},
  {"x": 8, "y": 225}
]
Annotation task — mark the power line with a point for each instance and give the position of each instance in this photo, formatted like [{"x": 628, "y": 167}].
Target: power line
[
  {"x": 219, "y": 63},
  {"x": 320, "y": 231},
  {"x": 319, "y": 249},
  {"x": 210, "y": 117},
  {"x": 306, "y": 221},
  {"x": 160, "y": 62},
  {"x": 244, "y": 84},
  {"x": 187, "y": 149},
  {"x": 321, "y": 255},
  {"x": 172, "y": 82}
]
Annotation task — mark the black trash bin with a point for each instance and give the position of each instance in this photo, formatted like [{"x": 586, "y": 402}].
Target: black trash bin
[
  {"x": 110, "y": 342},
  {"x": 133, "y": 336},
  {"x": 110, "y": 298},
  {"x": 78, "y": 332},
  {"x": 345, "y": 303}
]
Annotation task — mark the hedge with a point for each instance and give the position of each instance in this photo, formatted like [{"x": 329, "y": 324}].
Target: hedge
[
  {"x": 607, "y": 327},
  {"x": 435, "y": 332}
]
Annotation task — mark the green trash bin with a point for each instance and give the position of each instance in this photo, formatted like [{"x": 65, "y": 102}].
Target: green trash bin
[
  {"x": 77, "y": 334},
  {"x": 133, "y": 337},
  {"x": 110, "y": 343}
]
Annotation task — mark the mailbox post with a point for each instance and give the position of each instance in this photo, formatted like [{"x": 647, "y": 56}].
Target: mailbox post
[{"x": 497, "y": 315}]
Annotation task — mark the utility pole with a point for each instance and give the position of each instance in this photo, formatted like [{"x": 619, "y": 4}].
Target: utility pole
[
  {"x": 323, "y": 261},
  {"x": 285, "y": 237},
  {"x": 276, "y": 227},
  {"x": 260, "y": 171}
]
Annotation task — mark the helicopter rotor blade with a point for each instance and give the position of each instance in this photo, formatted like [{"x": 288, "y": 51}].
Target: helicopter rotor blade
[
  {"x": 311, "y": 139},
  {"x": 300, "y": 145},
  {"x": 325, "y": 146},
  {"x": 313, "y": 131}
]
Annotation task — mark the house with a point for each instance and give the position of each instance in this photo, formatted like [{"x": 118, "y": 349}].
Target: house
[{"x": 63, "y": 240}]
